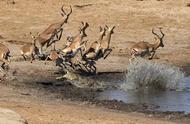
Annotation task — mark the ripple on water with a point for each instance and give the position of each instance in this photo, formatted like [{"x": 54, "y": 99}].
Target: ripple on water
[{"x": 166, "y": 100}]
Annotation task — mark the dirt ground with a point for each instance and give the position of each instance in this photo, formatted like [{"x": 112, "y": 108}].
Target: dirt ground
[{"x": 133, "y": 20}]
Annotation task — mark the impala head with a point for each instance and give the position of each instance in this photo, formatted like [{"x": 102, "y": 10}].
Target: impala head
[
  {"x": 158, "y": 37},
  {"x": 83, "y": 28},
  {"x": 36, "y": 50},
  {"x": 34, "y": 36},
  {"x": 110, "y": 29},
  {"x": 66, "y": 15}
]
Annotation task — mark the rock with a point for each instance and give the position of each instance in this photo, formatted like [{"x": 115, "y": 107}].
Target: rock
[{"x": 8, "y": 116}]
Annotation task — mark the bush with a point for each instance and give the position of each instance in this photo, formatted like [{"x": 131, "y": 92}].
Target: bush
[{"x": 143, "y": 73}]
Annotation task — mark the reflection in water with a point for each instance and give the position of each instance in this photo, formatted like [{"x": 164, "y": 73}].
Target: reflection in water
[{"x": 167, "y": 100}]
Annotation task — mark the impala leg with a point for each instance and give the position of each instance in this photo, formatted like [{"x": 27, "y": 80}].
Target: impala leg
[
  {"x": 89, "y": 69},
  {"x": 94, "y": 69},
  {"x": 86, "y": 67},
  {"x": 60, "y": 34},
  {"x": 62, "y": 65},
  {"x": 57, "y": 35},
  {"x": 24, "y": 57},
  {"x": 2, "y": 68},
  {"x": 80, "y": 67},
  {"x": 32, "y": 58},
  {"x": 59, "y": 62},
  {"x": 46, "y": 59},
  {"x": 132, "y": 58},
  {"x": 152, "y": 55},
  {"x": 4, "y": 62},
  {"x": 71, "y": 65},
  {"x": 40, "y": 51},
  {"x": 107, "y": 52},
  {"x": 51, "y": 41},
  {"x": 7, "y": 56}
]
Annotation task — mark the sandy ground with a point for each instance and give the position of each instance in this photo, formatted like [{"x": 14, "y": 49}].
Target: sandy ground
[{"x": 133, "y": 20}]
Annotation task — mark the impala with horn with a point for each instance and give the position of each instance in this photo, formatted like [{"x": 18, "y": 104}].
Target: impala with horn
[
  {"x": 90, "y": 56},
  {"x": 91, "y": 53},
  {"x": 54, "y": 29},
  {"x": 76, "y": 45},
  {"x": 77, "y": 42},
  {"x": 105, "y": 49},
  {"x": 142, "y": 48}
]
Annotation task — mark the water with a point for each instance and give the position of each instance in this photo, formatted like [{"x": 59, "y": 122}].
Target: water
[
  {"x": 142, "y": 73},
  {"x": 178, "y": 100}
]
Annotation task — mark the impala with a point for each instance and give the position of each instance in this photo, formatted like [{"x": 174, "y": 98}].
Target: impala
[
  {"x": 30, "y": 50},
  {"x": 98, "y": 49},
  {"x": 105, "y": 49},
  {"x": 94, "y": 48},
  {"x": 54, "y": 29},
  {"x": 70, "y": 51},
  {"x": 4, "y": 55},
  {"x": 54, "y": 56},
  {"x": 77, "y": 42},
  {"x": 91, "y": 55},
  {"x": 144, "y": 48}
]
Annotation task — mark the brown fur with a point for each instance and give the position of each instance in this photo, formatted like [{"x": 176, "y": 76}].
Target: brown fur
[
  {"x": 53, "y": 56},
  {"x": 94, "y": 48},
  {"x": 105, "y": 49},
  {"x": 145, "y": 48},
  {"x": 46, "y": 36},
  {"x": 77, "y": 41},
  {"x": 104, "y": 44},
  {"x": 28, "y": 51}
]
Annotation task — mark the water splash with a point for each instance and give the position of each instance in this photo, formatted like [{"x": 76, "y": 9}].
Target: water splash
[{"x": 143, "y": 73}]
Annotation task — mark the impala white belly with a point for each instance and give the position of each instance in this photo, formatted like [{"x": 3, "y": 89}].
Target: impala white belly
[
  {"x": 26, "y": 53},
  {"x": 139, "y": 52}
]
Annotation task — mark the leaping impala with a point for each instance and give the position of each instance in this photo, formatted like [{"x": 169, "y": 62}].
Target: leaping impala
[
  {"x": 77, "y": 42},
  {"x": 102, "y": 48},
  {"x": 54, "y": 29},
  {"x": 4, "y": 55},
  {"x": 91, "y": 53},
  {"x": 105, "y": 49},
  {"x": 76, "y": 45},
  {"x": 90, "y": 56},
  {"x": 144, "y": 48}
]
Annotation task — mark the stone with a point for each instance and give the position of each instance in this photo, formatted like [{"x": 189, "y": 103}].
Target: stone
[{"x": 8, "y": 116}]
